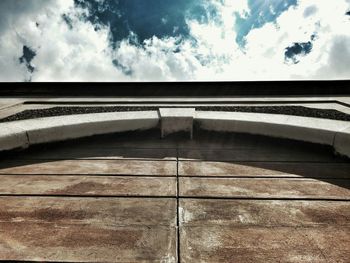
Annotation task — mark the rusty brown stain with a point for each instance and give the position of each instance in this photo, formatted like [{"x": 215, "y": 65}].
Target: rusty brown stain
[
  {"x": 80, "y": 188},
  {"x": 331, "y": 216},
  {"x": 149, "y": 243},
  {"x": 72, "y": 237},
  {"x": 264, "y": 213},
  {"x": 87, "y": 185},
  {"x": 45, "y": 214},
  {"x": 115, "y": 167},
  {"x": 121, "y": 238},
  {"x": 264, "y": 188}
]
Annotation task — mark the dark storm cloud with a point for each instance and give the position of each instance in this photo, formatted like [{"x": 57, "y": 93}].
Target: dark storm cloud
[
  {"x": 126, "y": 70},
  {"x": 68, "y": 21},
  {"x": 294, "y": 52},
  {"x": 145, "y": 19},
  {"x": 27, "y": 57}
]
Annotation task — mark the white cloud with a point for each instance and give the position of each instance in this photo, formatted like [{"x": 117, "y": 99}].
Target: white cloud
[
  {"x": 79, "y": 54},
  {"x": 12, "y": 11},
  {"x": 338, "y": 63},
  {"x": 13, "y": 15},
  {"x": 310, "y": 10},
  {"x": 63, "y": 54},
  {"x": 264, "y": 53},
  {"x": 84, "y": 54}
]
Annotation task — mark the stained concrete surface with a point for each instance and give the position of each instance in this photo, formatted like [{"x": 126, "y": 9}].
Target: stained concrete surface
[
  {"x": 81, "y": 167},
  {"x": 286, "y": 188},
  {"x": 137, "y": 198},
  {"x": 260, "y": 169},
  {"x": 87, "y": 185},
  {"x": 88, "y": 230}
]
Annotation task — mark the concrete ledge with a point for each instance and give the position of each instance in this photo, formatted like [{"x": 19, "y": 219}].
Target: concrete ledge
[
  {"x": 342, "y": 142},
  {"x": 12, "y": 137},
  {"x": 306, "y": 129},
  {"x": 29, "y": 132},
  {"x": 176, "y": 120},
  {"x": 21, "y": 134}
]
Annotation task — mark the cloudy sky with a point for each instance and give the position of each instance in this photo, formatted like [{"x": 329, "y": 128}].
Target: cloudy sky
[{"x": 157, "y": 40}]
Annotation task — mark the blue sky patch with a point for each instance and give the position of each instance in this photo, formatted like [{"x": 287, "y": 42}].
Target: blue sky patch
[{"x": 145, "y": 19}]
